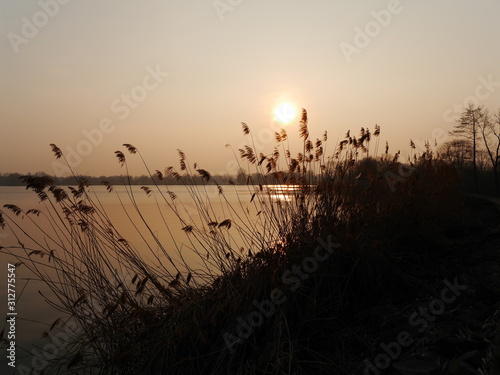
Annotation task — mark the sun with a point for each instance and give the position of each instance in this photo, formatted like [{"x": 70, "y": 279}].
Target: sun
[{"x": 284, "y": 113}]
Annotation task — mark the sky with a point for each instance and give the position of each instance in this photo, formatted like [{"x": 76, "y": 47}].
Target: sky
[{"x": 91, "y": 75}]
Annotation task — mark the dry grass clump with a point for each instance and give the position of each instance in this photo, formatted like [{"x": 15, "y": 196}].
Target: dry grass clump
[{"x": 166, "y": 316}]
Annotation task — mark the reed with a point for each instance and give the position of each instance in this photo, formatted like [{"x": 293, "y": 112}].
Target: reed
[{"x": 161, "y": 314}]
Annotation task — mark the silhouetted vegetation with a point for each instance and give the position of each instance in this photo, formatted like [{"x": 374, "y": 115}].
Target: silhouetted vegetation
[
  {"x": 349, "y": 231},
  {"x": 15, "y": 179}
]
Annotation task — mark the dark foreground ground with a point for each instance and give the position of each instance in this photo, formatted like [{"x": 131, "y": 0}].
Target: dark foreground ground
[{"x": 455, "y": 330}]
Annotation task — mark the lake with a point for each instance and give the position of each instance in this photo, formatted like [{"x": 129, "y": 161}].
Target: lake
[{"x": 35, "y": 316}]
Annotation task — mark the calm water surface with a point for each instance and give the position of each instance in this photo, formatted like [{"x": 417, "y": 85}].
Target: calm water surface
[{"x": 34, "y": 315}]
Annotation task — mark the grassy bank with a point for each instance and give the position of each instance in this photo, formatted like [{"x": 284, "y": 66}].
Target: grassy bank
[{"x": 355, "y": 231}]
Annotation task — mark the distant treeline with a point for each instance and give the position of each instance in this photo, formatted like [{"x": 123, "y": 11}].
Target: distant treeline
[{"x": 15, "y": 179}]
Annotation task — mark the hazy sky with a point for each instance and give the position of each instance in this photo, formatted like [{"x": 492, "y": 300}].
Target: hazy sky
[{"x": 165, "y": 75}]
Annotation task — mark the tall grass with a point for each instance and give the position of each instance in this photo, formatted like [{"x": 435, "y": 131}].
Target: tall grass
[{"x": 162, "y": 314}]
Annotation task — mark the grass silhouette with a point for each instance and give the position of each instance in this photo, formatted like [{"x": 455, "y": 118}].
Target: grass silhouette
[{"x": 168, "y": 316}]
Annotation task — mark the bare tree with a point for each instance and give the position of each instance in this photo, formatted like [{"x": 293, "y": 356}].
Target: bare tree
[
  {"x": 468, "y": 127},
  {"x": 490, "y": 133},
  {"x": 457, "y": 151}
]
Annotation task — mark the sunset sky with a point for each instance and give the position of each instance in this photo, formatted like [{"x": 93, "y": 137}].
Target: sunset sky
[{"x": 166, "y": 75}]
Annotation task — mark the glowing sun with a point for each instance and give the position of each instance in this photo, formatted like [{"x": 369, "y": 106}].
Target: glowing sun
[{"x": 284, "y": 113}]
